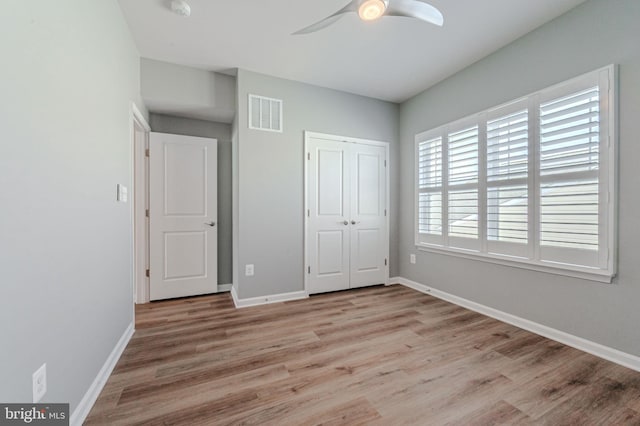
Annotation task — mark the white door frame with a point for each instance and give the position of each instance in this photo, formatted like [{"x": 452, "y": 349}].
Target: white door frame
[
  {"x": 336, "y": 138},
  {"x": 139, "y": 197}
]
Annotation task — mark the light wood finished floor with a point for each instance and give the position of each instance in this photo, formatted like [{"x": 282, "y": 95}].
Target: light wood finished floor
[{"x": 376, "y": 356}]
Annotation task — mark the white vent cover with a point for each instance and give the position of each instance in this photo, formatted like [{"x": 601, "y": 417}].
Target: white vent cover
[{"x": 265, "y": 113}]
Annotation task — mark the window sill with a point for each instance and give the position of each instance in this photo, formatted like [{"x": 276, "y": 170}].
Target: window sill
[{"x": 591, "y": 274}]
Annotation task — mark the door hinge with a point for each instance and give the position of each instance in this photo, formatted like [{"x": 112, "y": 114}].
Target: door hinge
[
  {"x": 385, "y": 262},
  {"x": 308, "y": 156},
  {"x": 385, "y": 212},
  {"x": 146, "y": 212},
  {"x": 308, "y": 269},
  {"x": 308, "y": 213},
  {"x": 146, "y": 152},
  {"x": 385, "y": 163},
  {"x": 147, "y": 273}
]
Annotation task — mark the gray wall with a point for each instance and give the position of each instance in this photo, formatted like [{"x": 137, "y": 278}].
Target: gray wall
[
  {"x": 221, "y": 132},
  {"x": 69, "y": 73},
  {"x": 270, "y": 181},
  {"x": 187, "y": 92},
  {"x": 595, "y": 34}
]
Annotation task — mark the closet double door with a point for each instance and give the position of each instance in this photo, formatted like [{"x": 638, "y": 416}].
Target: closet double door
[{"x": 347, "y": 236}]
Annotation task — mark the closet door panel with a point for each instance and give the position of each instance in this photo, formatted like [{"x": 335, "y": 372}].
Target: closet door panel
[
  {"x": 328, "y": 212},
  {"x": 368, "y": 216}
]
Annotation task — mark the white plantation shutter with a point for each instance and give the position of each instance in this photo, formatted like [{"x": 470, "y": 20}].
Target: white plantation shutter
[
  {"x": 430, "y": 190},
  {"x": 462, "y": 165},
  {"x": 530, "y": 183},
  {"x": 569, "y": 177},
  {"x": 507, "y": 181},
  {"x": 430, "y": 218}
]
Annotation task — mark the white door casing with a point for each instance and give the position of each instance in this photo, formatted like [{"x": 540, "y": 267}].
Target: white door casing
[
  {"x": 346, "y": 236},
  {"x": 140, "y": 202},
  {"x": 183, "y": 215}
]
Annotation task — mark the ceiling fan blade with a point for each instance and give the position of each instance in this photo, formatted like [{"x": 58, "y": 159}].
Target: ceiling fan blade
[
  {"x": 415, "y": 9},
  {"x": 351, "y": 7}
]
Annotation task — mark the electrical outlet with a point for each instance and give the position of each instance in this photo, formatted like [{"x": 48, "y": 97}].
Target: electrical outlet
[
  {"x": 412, "y": 259},
  {"x": 39, "y": 379},
  {"x": 248, "y": 270}
]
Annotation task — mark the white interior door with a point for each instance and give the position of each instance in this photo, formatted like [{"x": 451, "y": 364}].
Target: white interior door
[
  {"x": 328, "y": 215},
  {"x": 183, "y": 214},
  {"x": 368, "y": 223},
  {"x": 347, "y": 232}
]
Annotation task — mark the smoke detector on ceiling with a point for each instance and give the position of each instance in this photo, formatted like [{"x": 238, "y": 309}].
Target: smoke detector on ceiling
[{"x": 180, "y": 7}]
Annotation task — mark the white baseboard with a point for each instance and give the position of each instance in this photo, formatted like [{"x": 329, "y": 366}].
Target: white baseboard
[
  {"x": 224, "y": 287},
  {"x": 264, "y": 300},
  {"x": 234, "y": 295},
  {"x": 81, "y": 412},
  {"x": 605, "y": 352}
]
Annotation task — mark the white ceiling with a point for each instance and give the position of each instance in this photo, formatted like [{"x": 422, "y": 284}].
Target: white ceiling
[{"x": 392, "y": 59}]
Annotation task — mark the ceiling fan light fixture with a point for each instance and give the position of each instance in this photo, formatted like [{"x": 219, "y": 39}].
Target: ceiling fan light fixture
[{"x": 370, "y": 10}]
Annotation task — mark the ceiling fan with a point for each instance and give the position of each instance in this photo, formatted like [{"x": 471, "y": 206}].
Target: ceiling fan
[{"x": 371, "y": 10}]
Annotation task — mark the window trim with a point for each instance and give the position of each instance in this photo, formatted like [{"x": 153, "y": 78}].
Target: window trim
[{"x": 607, "y": 79}]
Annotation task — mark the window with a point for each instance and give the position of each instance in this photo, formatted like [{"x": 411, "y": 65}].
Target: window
[
  {"x": 508, "y": 180},
  {"x": 530, "y": 183},
  {"x": 430, "y": 187},
  {"x": 462, "y": 187}
]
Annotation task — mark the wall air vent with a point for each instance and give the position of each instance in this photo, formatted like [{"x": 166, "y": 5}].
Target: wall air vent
[{"x": 265, "y": 113}]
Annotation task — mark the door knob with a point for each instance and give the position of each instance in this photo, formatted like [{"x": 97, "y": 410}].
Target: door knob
[
  {"x": 353, "y": 222},
  {"x": 212, "y": 224},
  {"x": 346, "y": 222}
]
